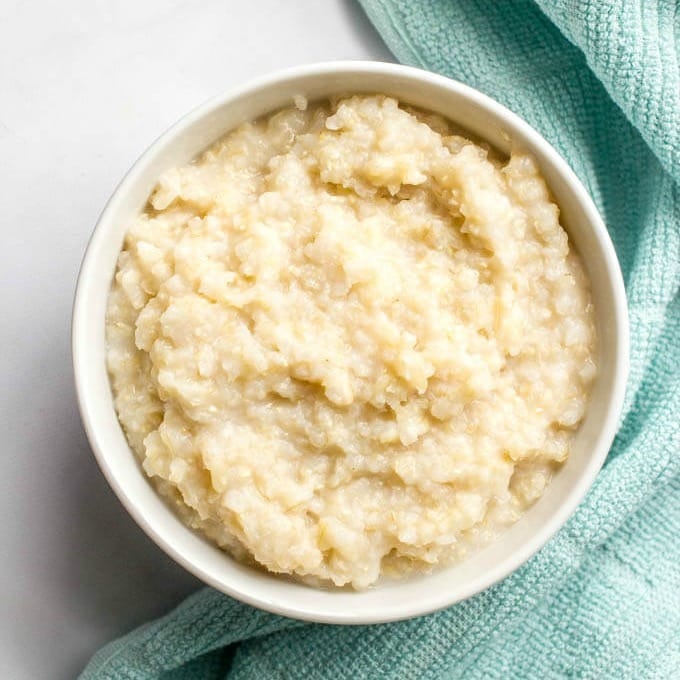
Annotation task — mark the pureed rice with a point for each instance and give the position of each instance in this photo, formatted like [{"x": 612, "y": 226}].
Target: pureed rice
[{"x": 347, "y": 342}]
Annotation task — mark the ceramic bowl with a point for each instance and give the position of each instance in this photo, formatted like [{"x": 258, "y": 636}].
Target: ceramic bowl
[{"x": 413, "y": 596}]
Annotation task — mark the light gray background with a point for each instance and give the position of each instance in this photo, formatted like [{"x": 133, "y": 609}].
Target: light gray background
[{"x": 85, "y": 86}]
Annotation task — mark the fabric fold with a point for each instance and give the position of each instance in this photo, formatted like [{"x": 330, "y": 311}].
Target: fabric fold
[{"x": 599, "y": 79}]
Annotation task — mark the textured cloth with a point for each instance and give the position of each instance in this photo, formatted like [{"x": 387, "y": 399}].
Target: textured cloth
[{"x": 600, "y": 80}]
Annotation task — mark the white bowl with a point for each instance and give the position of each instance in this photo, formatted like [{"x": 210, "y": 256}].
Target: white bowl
[{"x": 416, "y": 595}]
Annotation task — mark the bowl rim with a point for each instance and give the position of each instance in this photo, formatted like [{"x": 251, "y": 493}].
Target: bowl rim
[{"x": 615, "y": 401}]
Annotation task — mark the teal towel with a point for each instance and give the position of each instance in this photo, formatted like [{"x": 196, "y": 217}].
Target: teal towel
[{"x": 600, "y": 79}]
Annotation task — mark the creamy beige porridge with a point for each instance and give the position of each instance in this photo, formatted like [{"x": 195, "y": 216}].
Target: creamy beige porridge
[{"x": 348, "y": 343}]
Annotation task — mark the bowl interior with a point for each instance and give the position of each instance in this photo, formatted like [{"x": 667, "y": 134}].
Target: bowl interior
[{"x": 416, "y": 595}]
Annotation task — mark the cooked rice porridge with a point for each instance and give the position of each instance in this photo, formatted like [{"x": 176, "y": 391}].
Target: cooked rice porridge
[{"x": 347, "y": 342}]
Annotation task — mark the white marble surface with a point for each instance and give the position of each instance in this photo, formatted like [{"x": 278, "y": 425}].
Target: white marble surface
[{"x": 85, "y": 86}]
